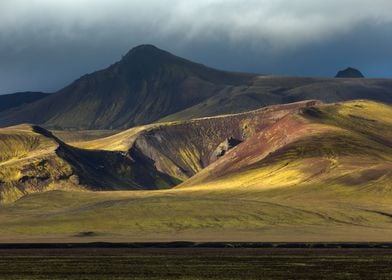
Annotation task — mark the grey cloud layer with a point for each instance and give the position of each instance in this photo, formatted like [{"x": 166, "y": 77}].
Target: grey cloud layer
[{"x": 46, "y": 43}]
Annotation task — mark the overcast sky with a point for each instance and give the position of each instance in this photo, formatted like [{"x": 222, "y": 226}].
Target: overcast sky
[{"x": 46, "y": 44}]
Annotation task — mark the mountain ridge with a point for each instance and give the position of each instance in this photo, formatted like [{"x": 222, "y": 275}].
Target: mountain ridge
[
  {"x": 149, "y": 85},
  {"x": 145, "y": 85}
]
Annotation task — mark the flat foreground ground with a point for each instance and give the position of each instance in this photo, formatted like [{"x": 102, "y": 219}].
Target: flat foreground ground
[{"x": 195, "y": 263}]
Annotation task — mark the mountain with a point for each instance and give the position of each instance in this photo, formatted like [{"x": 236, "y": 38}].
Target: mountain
[
  {"x": 305, "y": 171},
  {"x": 149, "y": 84},
  {"x": 8, "y": 101},
  {"x": 349, "y": 73}
]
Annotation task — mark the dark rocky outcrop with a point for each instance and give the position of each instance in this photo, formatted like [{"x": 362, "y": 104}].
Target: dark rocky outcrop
[
  {"x": 349, "y": 73},
  {"x": 224, "y": 147}
]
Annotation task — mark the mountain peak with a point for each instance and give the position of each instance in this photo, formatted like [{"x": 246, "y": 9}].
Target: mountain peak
[
  {"x": 146, "y": 58},
  {"x": 349, "y": 72},
  {"x": 145, "y": 49}
]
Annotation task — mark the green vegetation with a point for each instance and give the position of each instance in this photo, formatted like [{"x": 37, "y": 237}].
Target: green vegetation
[
  {"x": 76, "y": 136},
  {"x": 320, "y": 145},
  {"x": 33, "y": 160},
  {"x": 280, "y": 214},
  {"x": 302, "y": 172},
  {"x": 28, "y": 163}
]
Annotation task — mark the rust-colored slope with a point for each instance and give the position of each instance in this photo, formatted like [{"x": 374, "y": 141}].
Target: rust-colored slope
[
  {"x": 326, "y": 143},
  {"x": 182, "y": 149}
]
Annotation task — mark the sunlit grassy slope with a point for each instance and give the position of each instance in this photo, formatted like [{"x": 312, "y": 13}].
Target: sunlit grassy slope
[
  {"x": 311, "y": 213},
  {"x": 346, "y": 143},
  {"x": 182, "y": 149},
  {"x": 76, "y": 136},
  {"x": 33, "y": 160},
  {"x": 28, "y": 163},
  {"x": 315, "y": 173},
  {"x": 154, "y": 156}
]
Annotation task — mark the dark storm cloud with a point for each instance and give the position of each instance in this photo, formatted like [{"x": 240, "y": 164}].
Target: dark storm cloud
[{"x": 44, "y": 44}]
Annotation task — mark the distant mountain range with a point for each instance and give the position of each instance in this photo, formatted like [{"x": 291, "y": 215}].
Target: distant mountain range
[{"x": 150, "y": 84}]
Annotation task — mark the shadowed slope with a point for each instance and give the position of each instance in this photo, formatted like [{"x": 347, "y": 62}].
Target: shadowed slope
[
  {"x": 269, "y": 90},
  {"x": 8, "y": 101},
  {"x": 32, "y": 160},
  {"x": 147, "y": 84},
  {"x": 181, "y": 149}
]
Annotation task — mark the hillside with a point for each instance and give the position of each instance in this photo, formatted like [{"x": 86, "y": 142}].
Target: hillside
[
  {"x": 343, "y": 144},
  {"x": 269, "y": 90},
  {"x": 147, "y": 157},
  {"x": 33, "y": 160},
  {"x": 149, "y": 84},
  {"x": 182, "y": 149},
  {"x": 305, "y": 171},
  {"x": 8, "y": 101},
  {"x": 205, "y": 152}
]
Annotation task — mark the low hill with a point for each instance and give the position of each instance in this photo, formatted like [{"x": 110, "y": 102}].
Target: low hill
[
  {"x": 8, "y": 101},
  {"x": 182, "y": 149},
  {"x": 33, "y": 160},
  {"x": 343, "y": 144},
  {"x": 206, "y": 152},
  {"x": 338, "y": 140},
  {"x": 147, "y": 157}
]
